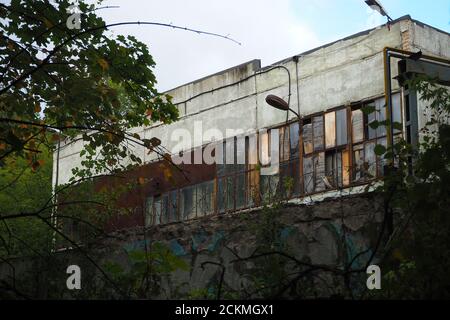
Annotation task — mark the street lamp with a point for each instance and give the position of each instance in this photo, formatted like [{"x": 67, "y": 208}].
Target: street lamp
[
  {"x": 280, "y": 104},
  {"x": 377, "y": 6}
]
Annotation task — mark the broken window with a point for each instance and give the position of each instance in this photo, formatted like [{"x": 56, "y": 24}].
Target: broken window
[
  {"x": 345, "y": 168},
  {"x": 381, "y": 160}
]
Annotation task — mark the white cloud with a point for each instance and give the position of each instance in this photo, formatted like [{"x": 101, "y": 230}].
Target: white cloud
[{"x": 267, "y": 29}]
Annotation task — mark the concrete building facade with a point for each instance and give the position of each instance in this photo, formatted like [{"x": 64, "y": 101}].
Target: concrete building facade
[{"x": 329, "y": 151}]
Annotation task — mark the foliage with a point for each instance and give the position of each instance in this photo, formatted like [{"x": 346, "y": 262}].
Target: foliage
[
  {"x": 418, "y": 256},
  {"x": 145, "y": 270},
  {"x": 83, "y": 83},
  {"x": 24, "y": 189}
]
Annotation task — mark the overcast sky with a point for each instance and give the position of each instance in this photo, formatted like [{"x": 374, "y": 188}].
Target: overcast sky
[{"x": 270, "y": 30}]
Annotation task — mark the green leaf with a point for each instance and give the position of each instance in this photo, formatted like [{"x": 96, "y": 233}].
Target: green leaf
[{"x": 380, "y": 150}]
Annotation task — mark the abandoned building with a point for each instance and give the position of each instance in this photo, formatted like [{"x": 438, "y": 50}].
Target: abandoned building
[
  {"x": 321, "y": 146},
  {"x": 330, "y": 147}
]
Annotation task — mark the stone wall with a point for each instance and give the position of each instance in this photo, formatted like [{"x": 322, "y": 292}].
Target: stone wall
[{"x": 326, "y": 235}]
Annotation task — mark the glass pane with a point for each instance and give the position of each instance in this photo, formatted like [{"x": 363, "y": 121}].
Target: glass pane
[
  {"x": 284, "y": 144},
  {"x": 371, "y": 133},
  {"x": 357, "y": 126},
  {"x": 294, "y": 139},
  {"x": 252, "y": 151},
  {"x": 221, "y": 158},
  {"x": 330, "y": 170},
  {"x": 330, "y": 130},
  {"x": 370, "y": 160},
  {"x": 397, "y": 110},
  {"x": 230, "y": 194},
  {"x": 341, "y": 127},
  {"x": 382, "y": 162},
  {"x": 358, "y": 162},
  {"x": 307, "y": 138},
  {"x": 173, "y": 206},
  {"x": 204, "y": 194},
  {"x": 318, "y": 133},
  {"x": 240, "y": 154},
  {"x": 345, "y": 168},
  {"x": 187, "y": 203},
  {"x": 269, "y": 185},
  {"x": 157, "y": 210},
  {"x": 319, "y": 171},
  {"x": 221, "y": 195},
  {"x": 252, "y": 187},
  {"x": 240, "y": 191},
  {"x": 230, "y": 156},
  {"x": 381, "y": 116},
  {"x": 264, "y": 148},
  {"x": 308, "y": 175},
  {"x": 149, "y": 211}
]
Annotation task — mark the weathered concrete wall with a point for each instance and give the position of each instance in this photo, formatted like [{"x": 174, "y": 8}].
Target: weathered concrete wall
[{"x": 330, "y": 234}]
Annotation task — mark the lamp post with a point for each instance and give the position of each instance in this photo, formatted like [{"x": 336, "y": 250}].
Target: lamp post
[{"x": 280, "y": 104}]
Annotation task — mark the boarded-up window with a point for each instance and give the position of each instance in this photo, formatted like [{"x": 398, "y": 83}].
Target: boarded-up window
[
  {"x": 330, "y": 130},
  {"x": 357, "y": 126},
  {"x": 341, "y": 127},
  {"x": 318, "y": 133},
  {"x": 307, "y": 138}
]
